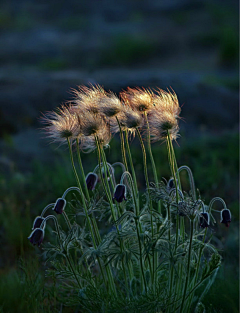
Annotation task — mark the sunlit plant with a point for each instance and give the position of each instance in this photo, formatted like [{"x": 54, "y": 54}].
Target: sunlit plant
[{"x": 156, "y": 251}]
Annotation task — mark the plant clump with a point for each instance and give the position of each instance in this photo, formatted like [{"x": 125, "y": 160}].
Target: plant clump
[{"x": 156, "y": 249}]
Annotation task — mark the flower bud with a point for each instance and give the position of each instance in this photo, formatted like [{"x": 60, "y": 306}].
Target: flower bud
[
  {"x": 36, "y": 236},
  {"x": 91, "y": 181},
  {"x": 204, "y": 220},
  {"x": 59, "y": 205},
  {"x": 120, "y": 193},
  {"x": 37, "y": 222},
  {"x": 226, "y": 217}
]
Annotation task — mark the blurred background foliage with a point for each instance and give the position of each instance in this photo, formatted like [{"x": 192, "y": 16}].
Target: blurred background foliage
[{"x": 48, "y": 48}]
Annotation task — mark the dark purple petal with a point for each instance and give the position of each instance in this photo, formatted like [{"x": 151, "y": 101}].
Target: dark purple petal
[
  {"x": 204, "y": 220},
  {"x": 37, "y": 222},
  {"x": 226, "y": 217},
  {"x": 59, "y": 205},
  {"x": 120, "y": 193},
  {"x": 36, "y": 236},
  {"x": 91, "y": 181}
]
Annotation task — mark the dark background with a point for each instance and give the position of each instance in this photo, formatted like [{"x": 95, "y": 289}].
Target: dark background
[{"x": 47, "y": 48}]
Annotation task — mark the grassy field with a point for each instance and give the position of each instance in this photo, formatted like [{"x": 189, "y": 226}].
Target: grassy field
[{"x": 23, "y": 287}]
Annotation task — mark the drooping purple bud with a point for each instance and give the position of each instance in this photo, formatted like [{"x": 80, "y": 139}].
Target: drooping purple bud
[
  {"x": 37, "y": 222},
  {"x": 204, "y": 220},
  {"x": 120, "y": 193},
  {"x": 91, "y": 180},
  {"x": 36, "y": 236},
  {"x": 226, "y": 217},
  {"x": 59, "y": 205}
]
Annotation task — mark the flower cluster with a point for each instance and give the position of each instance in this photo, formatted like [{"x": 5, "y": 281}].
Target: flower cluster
[
  {"x": 147, "y": 255},
  {"x": 96, "y": 113}
]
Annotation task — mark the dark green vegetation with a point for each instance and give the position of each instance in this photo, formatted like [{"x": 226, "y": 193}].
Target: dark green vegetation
[{"x": 23, "y": 288}]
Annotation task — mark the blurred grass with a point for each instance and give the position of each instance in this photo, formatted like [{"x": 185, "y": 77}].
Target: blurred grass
[{"x": 214, "y": 162}]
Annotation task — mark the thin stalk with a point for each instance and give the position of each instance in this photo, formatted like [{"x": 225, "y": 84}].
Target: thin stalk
[
  {"x": 131, "y": 162},
  {"x": 156, "y": 182},
  {"x": 188, "y": 266},
  {"x": 122, "y": 145},
  {"x": 151, "y": 158},
  {"x": 81, "y": 193},
  {"x": 148, "y": 190},
  {"x": 82, "y": 170},
  {"x": 67, "y": 220}
]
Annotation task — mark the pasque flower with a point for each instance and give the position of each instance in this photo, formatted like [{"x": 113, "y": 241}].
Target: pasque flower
[
  {"x": 38, "y": 221},
  {"x": 226, "y": 217},
  {"x": 61, "y": 125},
  {"x": 59, "y": 205},
  {"x": 163, "y": 116},
  {"x": 120, "y": 193},
  {"x": 36, "y": 236},
  {"x": 139, "y": 99},
  {"x": 91, "y": 180}
]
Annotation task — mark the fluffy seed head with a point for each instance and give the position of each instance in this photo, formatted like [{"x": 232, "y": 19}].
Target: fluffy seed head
[
  {"x": 129, "y": 119},
  {"x": 88, "y": 98},
  {"x": 61, "y": 125},
  {"x": 139, "y": 99},
  {"x": 163, "y": 116}
]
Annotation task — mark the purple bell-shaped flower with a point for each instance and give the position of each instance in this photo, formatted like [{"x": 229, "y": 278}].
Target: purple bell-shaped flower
[
  {"x": 226, "y": 217},
  {"x": 91, "y": 180},
  {"x": 36, "y": 236},
  {"x": 120, "y": 193},
  {"x": 37, "y": 222},
  {"x": 59, "y": 205},
  {"x": 204, "y": 220}
]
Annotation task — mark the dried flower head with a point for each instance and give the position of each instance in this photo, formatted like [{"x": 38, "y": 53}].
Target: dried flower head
[
  {"x": 139, "y": 99},
  {"x": 88, "y": 98},
  {"x": 110, "y": 105},
  {"x": 61, "y": 125},
  {"x": 129, "y": 120},
  {"x": 163, "y": 116}
]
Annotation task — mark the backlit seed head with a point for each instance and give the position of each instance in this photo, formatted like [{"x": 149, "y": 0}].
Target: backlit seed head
[
  {"x": 139, "y": 99},
  {"x": 226, "y": 217},
  {"x": 61, "y": 125},
  {"x": 129, "y": 120},
  {"x": 59, "y": 205},
  {"x": 36, "y": 236},
  {"x": 88, "y": 98},
  {"x": 37, "y": 222},
  {"x": 91, "y": 180},
  {"x": 120, "y": 193},
  {"x": 163, "y": 116},
  {"x": 110, "y": 105},
  {"x": 204, "y": 220}
]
